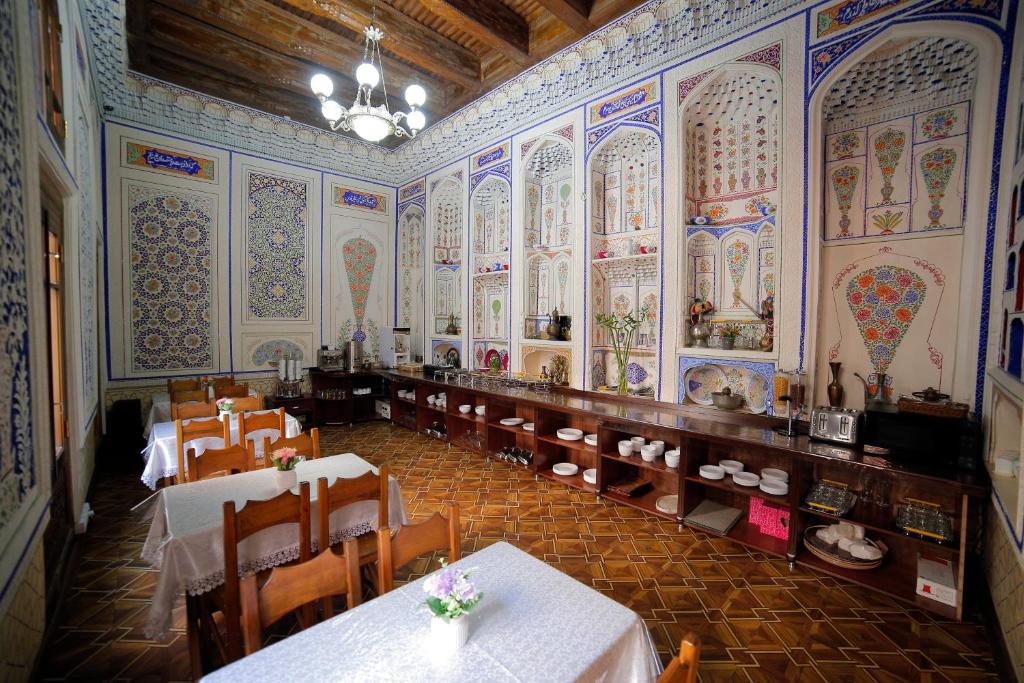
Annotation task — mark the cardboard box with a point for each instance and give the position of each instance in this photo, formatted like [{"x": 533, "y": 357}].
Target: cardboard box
[{"x": 936, "y": 579}]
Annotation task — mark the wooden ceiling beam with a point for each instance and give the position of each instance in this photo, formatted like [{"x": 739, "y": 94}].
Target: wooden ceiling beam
[
  {"x": 405, "y": 38},
  {"x": 573, "y": 13},
  {"x": 490, "y": 22}
]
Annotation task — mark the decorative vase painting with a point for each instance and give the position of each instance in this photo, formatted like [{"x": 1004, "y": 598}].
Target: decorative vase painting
[{"x": 358, "y": 287}]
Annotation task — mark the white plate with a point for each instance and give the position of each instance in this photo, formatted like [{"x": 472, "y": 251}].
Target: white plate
[
  {"x": 746, "y": 479},
  {"x": 512, "y": 421},
  {"x": 701, "y": 380},
  {"x": 566, "y": 469},
  {"x": 731, "y": 466},
  {"x": 757, "y": 393},
  {"x": 777, "y": 475},
  {"x": 590, "y": 476},
  {"x": 590, "y": 439},
  {"x": 569, "y": 434},
  {"x": 774, "y": 487},
  {"x": 712, "y": 472},
  {"x": 668, "y": 504},
  {"x": 528, "y": 427}
]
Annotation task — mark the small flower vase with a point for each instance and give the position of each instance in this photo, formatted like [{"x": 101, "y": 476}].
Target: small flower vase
[
  {"x": 449, "y": 636},
  {"x": 224, "y": 415},
  {"x": 728, "y": 343},
  {"x": 286, "y": 479}
]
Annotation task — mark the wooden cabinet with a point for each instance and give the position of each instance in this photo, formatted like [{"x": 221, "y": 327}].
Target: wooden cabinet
[{"x": 345, "y": 397}]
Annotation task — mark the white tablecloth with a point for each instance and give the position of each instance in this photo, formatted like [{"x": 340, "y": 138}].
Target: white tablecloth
[
  {"x": 534, "y": 624},
  {"x": 161, "y": 453},
  {"x": 186, "y": 535},
  {"x": 160, "y": 411}
]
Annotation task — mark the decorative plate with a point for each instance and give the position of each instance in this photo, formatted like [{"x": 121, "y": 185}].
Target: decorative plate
[
  {"x": 701, "y": 381},
  {"x": 491, "y": 353},
  {"x": 757, "y": 393},
  {"x": 511, "y": 421},
  {"x": 566, "y": 469}
]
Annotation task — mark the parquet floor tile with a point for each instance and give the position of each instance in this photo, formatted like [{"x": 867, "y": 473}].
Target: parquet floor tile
[{"x": 758, "y": 619}]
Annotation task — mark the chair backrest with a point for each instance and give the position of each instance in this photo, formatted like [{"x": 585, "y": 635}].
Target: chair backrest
[
  {"x": 255, "y": 516},
  {"x": 231, "y": 391},
  {"x": 291, "y": 587},
  {"x": 222, "y": 381},
  {"x": 413, "y": 540},
  {"x": 683, "y": 667},
  {"x": 248, "y": 403},
  {"x": 306, "y": 444},
  {"x": 218, "y": 462},
  {"x": 345, "y": 491},
  {"x": 185, "y": 411},
  {"x": 251, "y": 422},
  {"x": 185, "y": 395},
  {"x": 174, "y": 385},
  {"x": 187, "y": 430}
]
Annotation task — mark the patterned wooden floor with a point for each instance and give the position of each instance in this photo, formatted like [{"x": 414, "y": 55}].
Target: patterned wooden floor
[{"x": 758, "y": 620}]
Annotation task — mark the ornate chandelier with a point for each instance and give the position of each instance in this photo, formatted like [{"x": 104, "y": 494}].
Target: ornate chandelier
[{"x": 371, "y": 123}]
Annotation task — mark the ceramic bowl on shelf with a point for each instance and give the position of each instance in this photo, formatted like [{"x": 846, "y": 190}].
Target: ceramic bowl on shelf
[
  {"x": 672, "y": 459},
  {"x": 625, "y": 448},
  {"x": 511, "y": 421},
  {"x": 638, "y": 442},
  {"x": 660, "y": 446},
  {"x": 569, "y": 434},
  {"x": 480, "y": 410},
  {"x": 774, "y": 487},
  {"x": 565, "y": 469},
  {"x": 590, "y": 439},
  {"x": 465, "y": 409},
  {"x": 431, "y": 399},
  {"x": 649, "y": 452},
  {"x": 712, "y": 472},
  {"x": 528, "y": 427},
  {"x": 776, "y": 474},
  {"x": 731, "y": 466},
  {"x": 590, "y": 476},
  {"x": 746, "y": 479}
]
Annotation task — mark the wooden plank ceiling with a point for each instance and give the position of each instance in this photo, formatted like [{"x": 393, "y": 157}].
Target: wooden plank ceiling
[{"x": 262, "y": 53}]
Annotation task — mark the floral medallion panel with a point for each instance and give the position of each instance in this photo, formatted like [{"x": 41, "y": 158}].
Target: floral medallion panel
[
  {"x": 87, "y": 273},
  {"x": 276, "y": 247},
  {"x": 171, "y": 241},
  {"x": 358, "y": 282},
  {"x": 409, "y": 297}
]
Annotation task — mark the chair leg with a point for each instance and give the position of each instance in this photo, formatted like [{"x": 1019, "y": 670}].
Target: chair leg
[{"x": 192, "y": 627}]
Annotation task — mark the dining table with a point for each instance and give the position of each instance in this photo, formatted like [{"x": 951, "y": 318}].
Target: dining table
[
  {"x": 534, "y": 623},
  {"x": 161, "y": 451},
  {"x": 160, "y": 410},
  {"x": 186, "y": 533}
]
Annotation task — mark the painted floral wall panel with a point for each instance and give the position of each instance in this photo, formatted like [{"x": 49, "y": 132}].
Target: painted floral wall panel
[
  {"x": 891, "y": 310},
  {"x": 446, "y": 229},
  {"x": 359, "y": 283},
  {"x": 171, "y": 237},
  {"x": 276, "y": 244},
  {"x": 411, "y": 242},
  {"x": 87, "y": 242},
  {"x": 17, "y": 458}
]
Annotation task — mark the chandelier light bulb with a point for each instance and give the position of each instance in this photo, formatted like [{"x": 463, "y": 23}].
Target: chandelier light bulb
[
  {"x": 367, "y": 75},
  {"x": 415, "y": 95},
  {"x": 331, "y": 110},
  {"x": 416, "y": 120},
  {"x": 322, "y": 85},
  {"x": 371, "y": 128}
]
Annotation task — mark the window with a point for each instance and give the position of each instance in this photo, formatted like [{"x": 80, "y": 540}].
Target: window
[
  {"x": 55, "y": 301},
  {"x": 53, "y": 83}
]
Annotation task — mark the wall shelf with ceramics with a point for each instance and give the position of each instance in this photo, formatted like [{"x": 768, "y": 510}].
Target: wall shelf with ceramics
[
  {"x": 624, "y": 176},
  {"x": 699, "y": 377},
  {"x": 490, "y": 215},
  {"x": 446, "y": 232}
]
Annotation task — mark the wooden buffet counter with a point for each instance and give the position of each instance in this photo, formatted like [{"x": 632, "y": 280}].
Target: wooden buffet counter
[{"x": 704, "y": 436}]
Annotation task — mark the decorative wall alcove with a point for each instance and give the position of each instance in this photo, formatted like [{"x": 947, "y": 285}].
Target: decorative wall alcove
[
  {"x": 446, "y": 219},
  {"x": 730, "y": 155},
  {"x": 411, "y": 226},
  {"x": 490, "y": 229},
  {"x": 549, "y": 232},
  {"x": 624, "y": 177}
]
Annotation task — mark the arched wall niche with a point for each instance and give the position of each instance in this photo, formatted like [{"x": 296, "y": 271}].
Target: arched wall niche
[
  {"x": 446, "y": 203},
  {"x": 730, "y": 177},
  {"x": 490, "y": 234},
  {"x": 411, "y": 236},
  {"x": 935, "y": 341}
]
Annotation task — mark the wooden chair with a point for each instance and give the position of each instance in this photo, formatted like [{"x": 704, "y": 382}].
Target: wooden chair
[
  {"x": 306, "y": 443},
  {"x": 189, "y": 430},
  {"x": 186, "y": 411},
  {"x": 413, "y": 540},
  {"x": 184, "y": 396},
  {"x": 174, "y": 385},
  {"x": 255, "y": 516},
  {"x": 291, "y": 587},
  {"x": 222, "y": 381},
  {"x": 683, "y": 667},
  {"x": 219, "y": 462},
  {"x": 231, "y": 391},
  {"x": 251, "y": 422},
  {"x": 248, "y": 403}
]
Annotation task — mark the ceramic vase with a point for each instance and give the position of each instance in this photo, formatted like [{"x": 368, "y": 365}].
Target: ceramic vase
[
  {"x": 700, "y": 333},
  {"x": 286, "y": 479},
  {"x": 835, "y": 389},
  {"x": 728, "y": 343},
  {"x": 449, "y": 636}
]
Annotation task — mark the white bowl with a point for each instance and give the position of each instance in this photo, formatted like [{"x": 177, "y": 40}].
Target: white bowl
[
  {"x": 590, "y": 439},
  {"x": 566, "y": 469},
  {"x": 431, "y": 400},
  {"x": 465, "y": 408},
  {"x": 777, "y": 475},
  {"x": 660, "y": 446},
  {"x": 442, "y": 395},
  {"x": 672, "y": 459},
  {"x": 569, "y": 434},
  {"x": 668, "y": 504},
  {"x": 590, "y": 476},
  {"x": 528, "y": 427},
  {"x": 511, "y": 421},
  {"x": 625, "y": 448},
  {"x": 712, "y": 472},
  {"x": 649, "y": 453},
  {"x": 480, "y": 410},
  {"x": 746, "y": 478},
  {"x": 637, "y": 442},
  {"x": 774, "y": 487},
  {"x": 731, "y": 466}
]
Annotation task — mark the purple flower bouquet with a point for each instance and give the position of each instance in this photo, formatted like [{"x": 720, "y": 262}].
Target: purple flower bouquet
[{"x": 450, "y": 594}]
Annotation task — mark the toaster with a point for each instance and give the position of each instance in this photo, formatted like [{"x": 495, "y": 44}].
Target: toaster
[{"x": 838, "y": 425}]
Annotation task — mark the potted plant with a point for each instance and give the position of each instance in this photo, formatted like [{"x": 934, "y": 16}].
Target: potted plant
[
  {"x": 225, "y": 406},
  {"x": 284, "y": 461},
  {"x": 622, "y": 329},
  {"x": 729, "y": 332},
  {"x": 450, "y": 597}
]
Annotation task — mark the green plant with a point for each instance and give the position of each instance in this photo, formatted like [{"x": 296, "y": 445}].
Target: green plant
[
  {"x": 622, "y": 330},
  {"x": 730, "y": 330}
]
